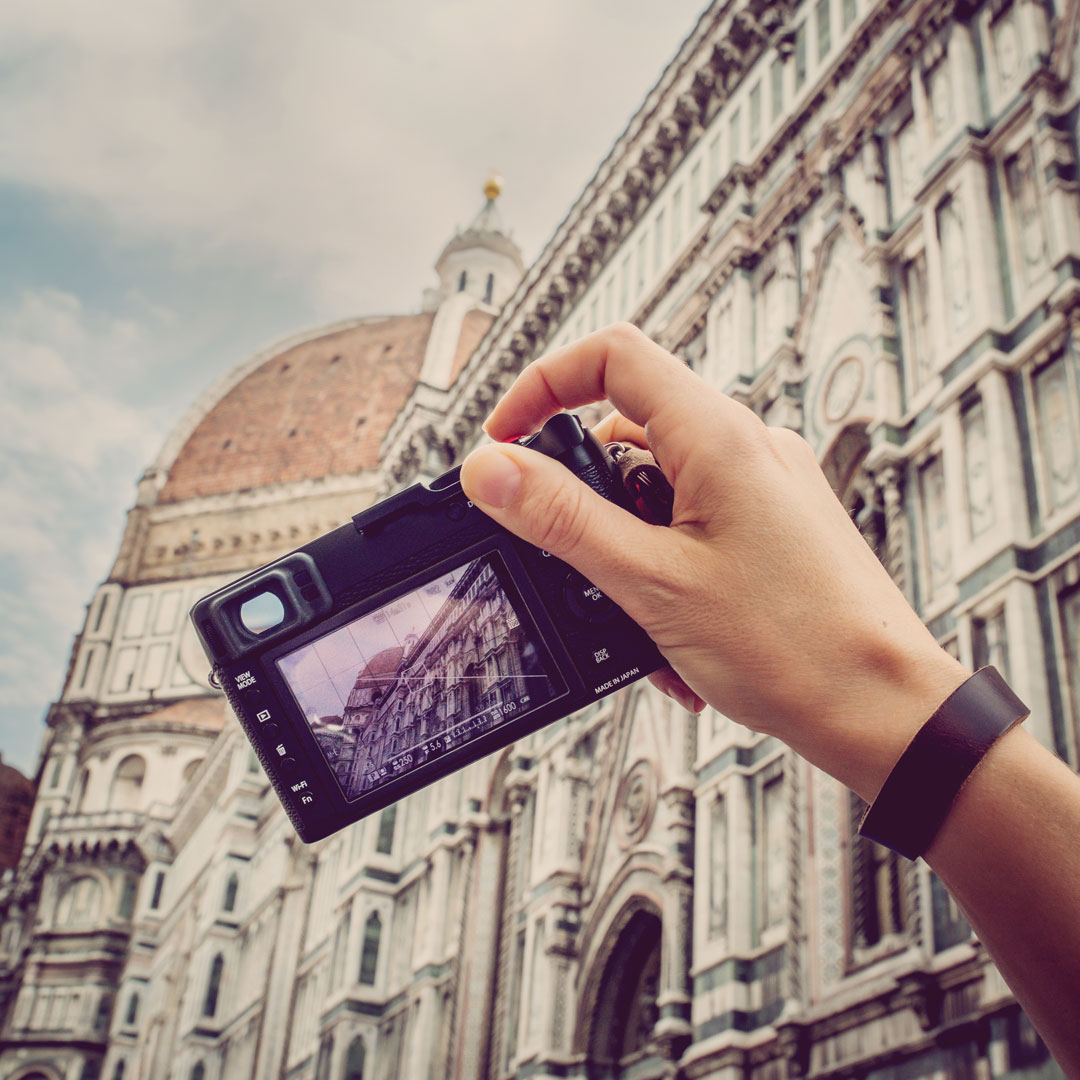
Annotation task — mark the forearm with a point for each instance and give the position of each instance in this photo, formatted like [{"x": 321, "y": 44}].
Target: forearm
[
  {"x": 1009, "y": 852},
  {"x": 1009, "y": 848},
  {"x": 769, "y": 605}
]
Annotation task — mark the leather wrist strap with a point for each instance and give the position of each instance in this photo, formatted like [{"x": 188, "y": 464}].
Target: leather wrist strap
[{"x": 916, "y": 796}]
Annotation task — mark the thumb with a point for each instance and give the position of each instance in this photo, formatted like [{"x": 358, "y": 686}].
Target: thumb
[{"x": 544, "y": 503}]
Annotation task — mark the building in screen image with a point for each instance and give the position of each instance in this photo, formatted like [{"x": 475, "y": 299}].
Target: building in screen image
[
  {"x": 858, "y": 217},
  {"x": 421, "y": 675}
]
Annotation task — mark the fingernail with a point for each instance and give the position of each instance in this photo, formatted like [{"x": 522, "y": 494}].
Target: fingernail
[
  {"x": 688, "y": 700},
  {"x": 493, "y": 477}
]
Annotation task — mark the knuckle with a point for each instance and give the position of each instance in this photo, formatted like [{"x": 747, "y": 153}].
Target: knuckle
[
  {"x": 560, "y": 518},
  {"x": 792, "y": 445},
  {"x": 624, "y": 333}
]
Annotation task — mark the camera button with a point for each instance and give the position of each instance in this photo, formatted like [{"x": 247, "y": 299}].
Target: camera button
[
  {"x": 269, "y": 731},
  {"x": 456, "y": 510},
  {"x": 306, "y": 799},
  {"x": 586, "y": 601},
  {"x": 286, "y": 765},
  {"x": 253, "y": 697},
  {"x": 302, "y": 577}
]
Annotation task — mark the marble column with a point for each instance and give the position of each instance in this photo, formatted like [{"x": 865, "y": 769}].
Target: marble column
[
  {"x": 897, "y": 553},
  {"x": 673, "y": 1030}
]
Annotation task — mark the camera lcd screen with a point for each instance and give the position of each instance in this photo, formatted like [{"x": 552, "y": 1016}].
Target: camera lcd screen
[{"x": 427, "y": 672}]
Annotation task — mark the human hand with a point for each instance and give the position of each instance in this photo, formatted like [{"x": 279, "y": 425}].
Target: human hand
[{"x": 762, "y": 594}]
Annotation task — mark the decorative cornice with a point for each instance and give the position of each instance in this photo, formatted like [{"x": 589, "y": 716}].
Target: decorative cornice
[{"x": 725, "y": 43}]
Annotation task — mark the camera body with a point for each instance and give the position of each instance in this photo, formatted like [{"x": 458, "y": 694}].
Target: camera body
[{"x": 413, "y": 640}]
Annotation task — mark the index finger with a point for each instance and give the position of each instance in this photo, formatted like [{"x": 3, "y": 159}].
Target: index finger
[{"x": 618, "y": 363}]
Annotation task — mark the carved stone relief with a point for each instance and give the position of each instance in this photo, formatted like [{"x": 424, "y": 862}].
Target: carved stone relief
[
  {"x": 940, "y": 93},
  {"x": 907, "y": 151},
  {"x": 636, "y": 803},
  {"x": 843, "y": 388},
  {"x": 1006, "y": 46},
  {"x": 979, "y": 481},
  {"x": 917, "y": 322},
  {"x": 935, "y": 516},
  {"x": 718, "y": 868},
  {"x": 954, "y": 263},
  {"x": 1027, "y": 213},
  {"x": 1058, "y": 436},
  {"x": 1070, "y": 626},
  {"x": 828, "y": 816}
]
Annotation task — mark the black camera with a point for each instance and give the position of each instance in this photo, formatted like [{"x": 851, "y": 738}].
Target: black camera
[{"x": 417, "y": 638}]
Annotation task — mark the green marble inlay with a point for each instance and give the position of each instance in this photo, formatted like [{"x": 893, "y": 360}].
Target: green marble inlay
[
  {"x": 1004, "y": 274},
  {"x": 744, "y": 756},
  {"x": 887, "y": 433},
  {"x": 1031, "y": 560},
  {"x": 344, "y": 1008},
  {"x": 988, "y": 573},
  {"x": 1067, "y": 269},
  {"x": 943, "y": 625},
  {"x": 1015, "y": 382},
  {"x": 379, "y": 874},
  {"x": 1043, "y": 604},
  {"x": 528, "y": 1069},
  {"x": 980, "y": 345}
]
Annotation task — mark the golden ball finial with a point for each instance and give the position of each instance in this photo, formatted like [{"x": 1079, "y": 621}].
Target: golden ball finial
[{"x": 493, "y": 187}]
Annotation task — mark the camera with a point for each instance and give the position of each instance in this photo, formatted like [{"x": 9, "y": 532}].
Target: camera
[{"x": 415, "y": 639}]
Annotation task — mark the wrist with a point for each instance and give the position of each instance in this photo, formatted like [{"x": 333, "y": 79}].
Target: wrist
[{"x": 891, "y": 692}]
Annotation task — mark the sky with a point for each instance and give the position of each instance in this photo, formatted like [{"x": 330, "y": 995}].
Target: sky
[{"x": 185, "y": 181}]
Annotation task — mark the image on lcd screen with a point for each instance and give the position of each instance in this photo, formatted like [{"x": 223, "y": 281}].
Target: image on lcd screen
[{"x": 417, "y": 677}]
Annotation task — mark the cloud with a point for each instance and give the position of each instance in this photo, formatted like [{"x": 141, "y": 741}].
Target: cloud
[
  {"x": 256, "y": 151},
  {"x": 70, "y": 448},
  {"x": 335, "y": 144}
]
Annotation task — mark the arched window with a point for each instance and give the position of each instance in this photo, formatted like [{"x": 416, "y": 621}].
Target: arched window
[
  {"x": 369, "y": 956},
  {"x": 213, "y": 985},
  {"x": 54, "y": 780},
  {"x": 91, "y": 1069},
  {"x": 80, "y": 903},
  {"x": 191, "y": 768},
  {"x": 127, "y": 897},
  {"x": 461, "y": 282},
  {"x": 879, "y": 901},
  {"x": 118, "y": 1071},
  {"x": 322, "y": 1063},
  {"x": 198, "y": 1071},
  {"x": 132, "y": 1013},
  {"x": 229, "y": 902},
  {"x": 126, "y": 788},
  {"x": 104, "y": 1011},
  {"x": 84, "y": 780},
  {"x": 354, "y": 1060},
  {"x": 489, "y": 288},
  {"x": 159, "y": 884},
  {"x": 385, "y": 842}
]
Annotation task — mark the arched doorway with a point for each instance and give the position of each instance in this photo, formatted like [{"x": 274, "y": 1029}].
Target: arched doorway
[
  {"x": 844, "y": 468},
  {"x": 620, "y": 1040}
]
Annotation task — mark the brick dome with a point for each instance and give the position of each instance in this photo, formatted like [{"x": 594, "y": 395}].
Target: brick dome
[
  {"x": 320, "y": 406},
  {"x": 381, "y": 669}
]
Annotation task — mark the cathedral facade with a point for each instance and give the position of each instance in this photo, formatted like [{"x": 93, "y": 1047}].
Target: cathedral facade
[{"x": 860, "y": 218}]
